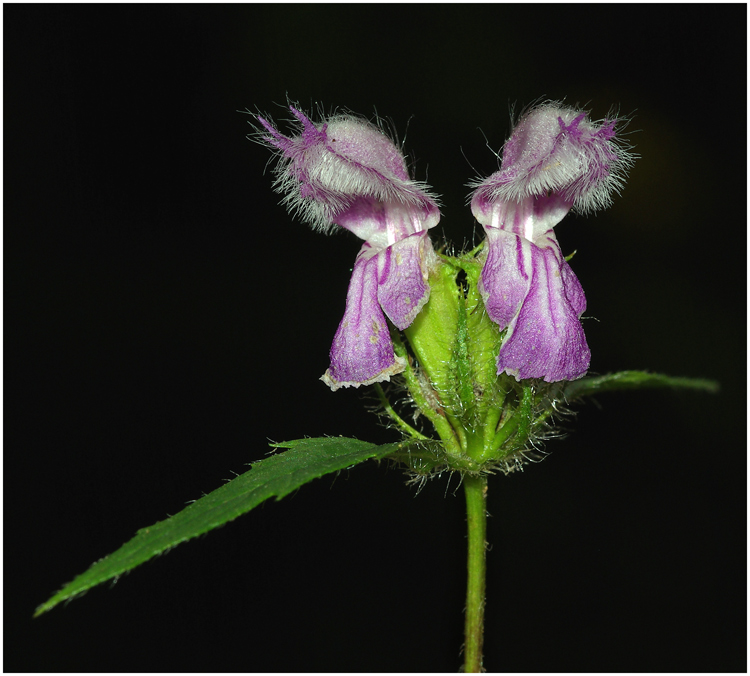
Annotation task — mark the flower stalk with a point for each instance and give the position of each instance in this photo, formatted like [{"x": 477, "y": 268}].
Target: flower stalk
[{"x": 475, "y": 489}]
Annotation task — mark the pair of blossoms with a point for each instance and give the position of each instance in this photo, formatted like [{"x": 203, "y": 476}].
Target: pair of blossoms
[{"x": 346, "y": 172}]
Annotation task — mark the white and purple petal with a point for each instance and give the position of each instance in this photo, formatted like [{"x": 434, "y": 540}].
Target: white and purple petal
[
  {"x": 530, "y": 218},
  {"x": 325, "y": 170},
  {"x": 506, "y": 275},
  {"x": 382, "y": 223},
  {"x": 362, "y": 351},
  {"x": 531, "y": 291},
  {"x": 403, "y": 269},
  {"x": 556, "y": 149}
]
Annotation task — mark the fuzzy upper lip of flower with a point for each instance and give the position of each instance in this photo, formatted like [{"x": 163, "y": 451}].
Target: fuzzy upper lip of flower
[
  {"x": 346, "y": 172},
  {"x": 556, "y": 159}
]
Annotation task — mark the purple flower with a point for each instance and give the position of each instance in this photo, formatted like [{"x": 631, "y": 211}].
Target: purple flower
[
  {"x": 346, "y": 172},
  {"x": 555, "y": 160}
]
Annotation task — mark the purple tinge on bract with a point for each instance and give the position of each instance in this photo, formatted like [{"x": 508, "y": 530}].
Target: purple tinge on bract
[
  {"x": 346, "y": 172},
  {"x": 555, "y": 160}
]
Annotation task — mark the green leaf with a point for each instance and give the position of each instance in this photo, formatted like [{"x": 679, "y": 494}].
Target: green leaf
[
  {"x": 277, "y": 475},
  {"x": 633, "y": 380}
]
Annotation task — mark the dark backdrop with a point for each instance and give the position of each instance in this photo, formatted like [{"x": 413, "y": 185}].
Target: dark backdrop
[{"x": 165, "y": 317}]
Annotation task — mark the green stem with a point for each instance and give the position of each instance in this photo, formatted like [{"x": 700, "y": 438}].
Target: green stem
[{"x": 476, "y": 520}]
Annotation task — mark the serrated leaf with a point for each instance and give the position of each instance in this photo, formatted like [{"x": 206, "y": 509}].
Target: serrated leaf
[
  {"x": 277, "y": 475},
  {"x": 631, "y": 380}
]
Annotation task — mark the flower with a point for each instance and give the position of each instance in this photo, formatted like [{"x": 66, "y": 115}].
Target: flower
[
  {"x": 346, "y": 172},
  {"x": 555, "y": 160}
]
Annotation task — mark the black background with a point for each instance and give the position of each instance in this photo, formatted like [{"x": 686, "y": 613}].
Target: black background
[{"x": 164, "y": 317}]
